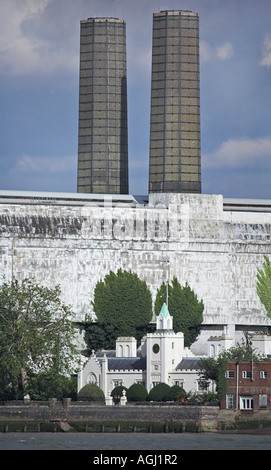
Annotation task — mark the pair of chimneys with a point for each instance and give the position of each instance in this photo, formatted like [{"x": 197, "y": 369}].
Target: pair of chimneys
[{"x": 175, "y": 147}]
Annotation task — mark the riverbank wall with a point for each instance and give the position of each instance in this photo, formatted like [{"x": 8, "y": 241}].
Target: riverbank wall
[{"x": 67, "y": 417}]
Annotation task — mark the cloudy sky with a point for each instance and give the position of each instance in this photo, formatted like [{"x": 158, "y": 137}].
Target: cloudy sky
[{"x": 39, "y": 78}]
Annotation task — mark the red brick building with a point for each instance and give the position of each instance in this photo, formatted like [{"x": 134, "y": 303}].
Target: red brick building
[{"x": 249, "y": 386}]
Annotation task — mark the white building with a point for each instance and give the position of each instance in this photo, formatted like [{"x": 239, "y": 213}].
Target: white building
[{"x": 161, "y": 357}]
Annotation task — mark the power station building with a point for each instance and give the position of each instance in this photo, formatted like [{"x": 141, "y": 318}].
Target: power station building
[{"x": 216, "y": 245}]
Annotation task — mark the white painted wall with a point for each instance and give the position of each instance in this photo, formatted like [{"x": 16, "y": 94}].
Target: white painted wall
[{"x": 188, "y": 235}]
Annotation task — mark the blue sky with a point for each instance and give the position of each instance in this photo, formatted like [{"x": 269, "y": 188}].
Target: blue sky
[{"x": 39, "y": 78}]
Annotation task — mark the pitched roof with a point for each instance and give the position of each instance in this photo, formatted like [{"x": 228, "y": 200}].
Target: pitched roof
[
  {"x": 164, "y": 310},
  {"x": 188, "y": 363},
  {"x": 126, "y": 363}
]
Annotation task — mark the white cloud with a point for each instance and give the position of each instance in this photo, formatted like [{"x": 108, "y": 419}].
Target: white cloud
[
  {"x": 266, "y": 52},
  {"x": 240, "y": 153},
  {"x": 30, "y": 164},
  {"x": 225, "y": 51},
  {"x": 21, "y": 50},
  {"x": 209, "y": 53}
]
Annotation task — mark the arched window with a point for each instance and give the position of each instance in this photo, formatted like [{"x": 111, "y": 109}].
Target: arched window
[
  {"x": 92, "y": 379},
  {"x": 212, "y": 350}
]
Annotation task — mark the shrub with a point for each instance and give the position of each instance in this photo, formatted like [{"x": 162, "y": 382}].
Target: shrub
[
  {"x": 137, "y": 392},
  {"x": 159, "y": 392},
  {"x": 174, "y": 393},
  {"x": 201, "y": 399},
  {"x": 91, "y": 392},
  {"x": 118, "y": 390}
]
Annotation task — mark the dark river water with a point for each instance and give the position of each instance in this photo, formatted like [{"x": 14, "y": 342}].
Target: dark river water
[{"x": 132, "y": 441}]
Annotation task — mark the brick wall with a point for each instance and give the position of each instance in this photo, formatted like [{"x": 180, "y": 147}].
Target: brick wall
[{"x": 251, "y": 381}]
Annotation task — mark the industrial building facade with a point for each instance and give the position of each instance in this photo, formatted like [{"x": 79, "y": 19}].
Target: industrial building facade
[
  {"x": 175, "y": 145},
  {"x": 213, "y": 244},
  {"x": 103, "y": 133}
]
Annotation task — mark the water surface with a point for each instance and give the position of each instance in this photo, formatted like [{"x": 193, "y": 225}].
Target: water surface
[{"x": 133, "y": 441}]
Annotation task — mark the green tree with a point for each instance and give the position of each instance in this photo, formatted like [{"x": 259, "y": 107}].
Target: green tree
[
  {"x": 36, "y": 335},
  {"x": 124, "y": 302},
  {"x": 208, "y": 367},
  {"x": 99, "y": 336},
  {"x": 213, "y": 370},
  {"x": 184, "y": 306},
  {"x": 103, "y": 336},
  {"x": 44, "y": 385},
  {"x": 264, "y": 285}
]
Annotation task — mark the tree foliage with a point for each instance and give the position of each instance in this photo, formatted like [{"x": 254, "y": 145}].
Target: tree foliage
[
  {"x": 137, "y": 392},
  {"x": 36, "y": 335},
  {"x": 99, "y": 336},
  {"x": 118, "y": 390},
  {"x": 122, "y": 304},
  {"x": 174, "y": 393},
  {"x": 45, "y": 385},
  {"x": 184, "y": 306},
  {"x": 213, "y": 370},
  {"x": 91, "y": 392},
  {"x": 159, "y": 392},
  {"x": 103, "y": 336},
  {"x": 264, "y": 285}
]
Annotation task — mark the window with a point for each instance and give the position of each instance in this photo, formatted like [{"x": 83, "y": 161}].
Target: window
[
  {"x": 263, "y": 374},
  {"x": 92, "y": 379},
  {"x": 117, "y": 383},
  {"x": 178, "y": 382},
  {"x": 246, "y": 374},
  {"x": 262, "y": 402},
  {"x": 140, "y": 382},
  {"x": 246, "y": 403},
  {"x": 212, "y": 351},
  {"x": 230, "y": 401},
  {"x": 229, "y": 374},
  {"x": 155, "y": 383},
  {"x": 202, "y": 387}
]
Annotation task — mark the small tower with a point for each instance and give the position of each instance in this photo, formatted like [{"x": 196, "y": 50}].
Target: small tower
[
  {"x": 126, "y": 346},
  {"x": 164, "y": 349},
  {"x": 164, "y": 321},
  {"x": 217, "y": 344}
]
